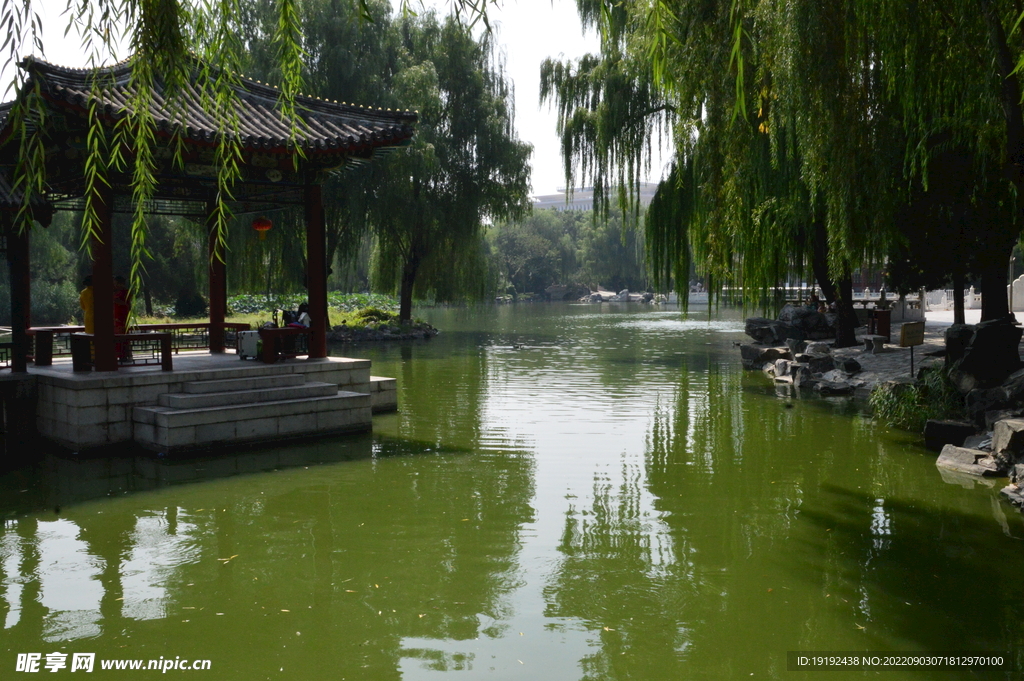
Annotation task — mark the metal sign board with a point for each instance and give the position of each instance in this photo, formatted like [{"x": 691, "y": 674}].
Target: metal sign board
[{"x": 911, "y": 334}]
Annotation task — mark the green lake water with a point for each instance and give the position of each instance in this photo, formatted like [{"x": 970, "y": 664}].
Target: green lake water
[{"x": 567, "y": 492}]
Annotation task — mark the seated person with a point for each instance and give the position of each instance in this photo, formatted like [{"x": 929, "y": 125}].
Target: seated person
[{"x": 303, "y": 320}]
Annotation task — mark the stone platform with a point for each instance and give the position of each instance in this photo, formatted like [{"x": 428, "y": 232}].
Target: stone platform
[{"x": 207, "y": 401}]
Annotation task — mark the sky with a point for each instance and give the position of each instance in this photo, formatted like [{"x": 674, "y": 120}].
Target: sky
[{"x": 528, "y": 31}]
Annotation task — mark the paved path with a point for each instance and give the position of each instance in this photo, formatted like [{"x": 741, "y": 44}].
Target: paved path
[{"x": 893, "y": 363}]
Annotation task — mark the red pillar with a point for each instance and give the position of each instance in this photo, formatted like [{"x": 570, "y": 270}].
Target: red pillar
[
  {"x": 316, "y": 271},
  {"x": 218, "y": 282},
  {"x": 103, "y": 282},
  {"x": 21, "y": 298}
]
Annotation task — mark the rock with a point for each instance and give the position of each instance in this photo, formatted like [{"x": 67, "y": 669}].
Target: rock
[
  {"x": 971, "y": 461},
  {"x": 781, "y": 367},
  {"x": 818, "y": 348},
  {"x": 794, "y": 322},
  {"x": 1014, "y": 494},
  {"x": 1017, "y": 472},
  {"x": 769, "y": 369},
  {"x": 749, "y": 351},
  {"x": 991, "y": 417},
  {"x": 957, "y": 338},
  {"x": 834, "y": 375},
  {"x": 818, "y": 364},
  {"x": 850, "y": 365},
  {"x": 827, "y": 388},
  {"x": 990, "y": 357},
  {"x": 756, "y": 356},
  {"x": 938, "y": 434},
  {"x": 982, "y": 400},
  {"x": 1008, "y": 440},
  {"x": 982, "y": 442},
  {"x": 763, "y": 330},
  {"x": 1014, "y": 386},
  {"x": 803, "y": 378}
]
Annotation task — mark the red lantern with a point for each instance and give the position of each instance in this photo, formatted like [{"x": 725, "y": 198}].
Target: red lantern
[{"x": 262, "y": 226}]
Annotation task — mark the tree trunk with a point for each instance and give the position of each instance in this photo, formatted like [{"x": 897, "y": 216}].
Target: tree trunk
[
  {"x": 994, "y": 263},
  {"x": 412, "y": 265},
  {"x": 994, "y": 278},
  {"x": 838, "y": 292},
  {"x": 959, "y": 283}
]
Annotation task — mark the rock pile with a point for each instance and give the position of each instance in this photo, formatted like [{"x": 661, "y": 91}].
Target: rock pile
[
  {"x": 380, "y": 332},
  {"x": 808, "y": 366},
  {"x": 796, "y": 322}
]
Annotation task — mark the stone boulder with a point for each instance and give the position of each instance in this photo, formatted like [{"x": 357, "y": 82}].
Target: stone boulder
[
  {"x": 763, "y": 330},
  {"x": 938, "y": 434},
  {"x": 990, "y": 357},
  {"x": 957, "y": 338},
  {"x": 802, "y": 376},
  {"x": 980, "y": 401},
  {"x": 1008, "y": 440},
  {"x": 782, "y": 367},
  {"x": 1014, "y": 386},
  {"x": 970, "y": 461},
  {"x": 1014, "y": 493},
  {"x": 996, "y": 415},
  {"x": 831, "y": 388},
  {"x": 818, "y": 364},
  {"x": 794, "y": 322},
  {"x": 850, "y": 365},
  {"x": 982, "y": 442},
  {"x": 756, "y": 356},
  {"x": 818, "y": 348}
]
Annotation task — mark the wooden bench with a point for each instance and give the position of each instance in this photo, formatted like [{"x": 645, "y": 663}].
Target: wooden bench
[
  {"x": 43, "y": 335},
  {"x": 284, "y": 343},
  {"x": 874, "y": 343},
  {"x": 82, "y": 353}
]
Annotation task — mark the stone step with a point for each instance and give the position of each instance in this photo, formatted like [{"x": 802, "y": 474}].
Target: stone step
[
  {"x": 383, "y": 394},
  {"x": 167, "y": 429},
  {"x": 170, "y": 417},
  {"x": 248, "y": 383},
  {"x": 246, "y": 396}
]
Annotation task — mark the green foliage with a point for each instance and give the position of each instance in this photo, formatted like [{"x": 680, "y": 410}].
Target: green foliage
[
  {"x": 376, "y": 315},
  {"x": 789, "y": 115},
  {"x": 345, "y": 302},
  {"x": 568, "y": 247},
  {"x": 466, "y": 165},
  {"x": 908, "y": 406}
]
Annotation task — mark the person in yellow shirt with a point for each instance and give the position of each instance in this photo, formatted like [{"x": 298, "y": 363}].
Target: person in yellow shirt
[{"x": 85, "y": 301}]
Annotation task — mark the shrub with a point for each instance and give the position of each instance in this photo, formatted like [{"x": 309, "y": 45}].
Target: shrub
[
  {"x": 190, "y": 304},
  {"x": 375, "y": 314},
  {"x": 908, "y": 406}
]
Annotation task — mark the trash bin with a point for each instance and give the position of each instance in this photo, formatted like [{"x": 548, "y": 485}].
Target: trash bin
[{"x": 879, "y": 323}]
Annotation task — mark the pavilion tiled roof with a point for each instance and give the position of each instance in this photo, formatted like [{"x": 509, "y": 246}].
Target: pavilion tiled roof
[{"x": 325, "y": 127}]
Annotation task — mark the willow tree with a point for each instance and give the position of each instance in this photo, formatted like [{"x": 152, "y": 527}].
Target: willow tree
[
  {"x": 465, "y": 166},
  {"x": 846, "y": 96},
  {"x": 920, "y": 71},
  {"x": 168, "y": 41},
  {"x": 742, "y": 200}
]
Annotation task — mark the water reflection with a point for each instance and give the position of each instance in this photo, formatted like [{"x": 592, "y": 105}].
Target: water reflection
[
  {"x": 748, "y": 510},
  {"x": 612, "y": 499},
  {"x": 325, "y": 568}
]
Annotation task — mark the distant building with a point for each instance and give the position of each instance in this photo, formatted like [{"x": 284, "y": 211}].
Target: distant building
[{"x": 583, "y": 198}]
